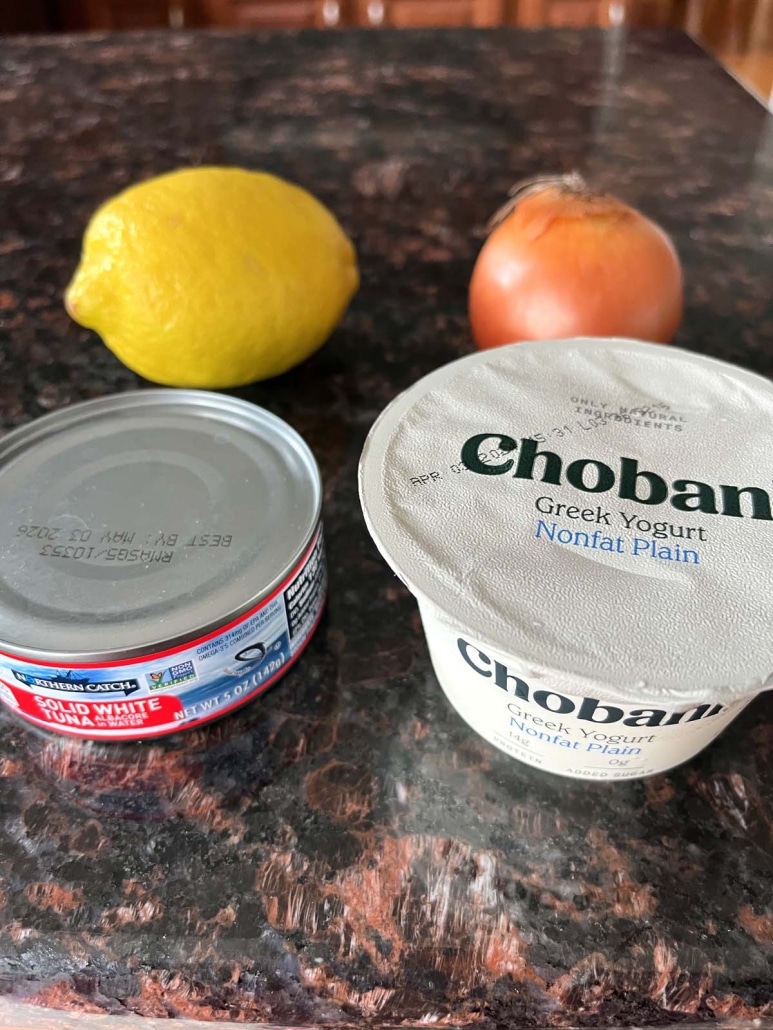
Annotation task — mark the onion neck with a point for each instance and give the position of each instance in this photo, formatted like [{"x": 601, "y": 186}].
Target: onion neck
[{"x": 571, "y": 186}]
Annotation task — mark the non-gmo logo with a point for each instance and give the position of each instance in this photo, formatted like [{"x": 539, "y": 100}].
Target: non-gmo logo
[{"x": 172, "y": 676}]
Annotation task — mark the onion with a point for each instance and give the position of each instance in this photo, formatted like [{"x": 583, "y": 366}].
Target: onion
[{"x": 565, "y": 261}]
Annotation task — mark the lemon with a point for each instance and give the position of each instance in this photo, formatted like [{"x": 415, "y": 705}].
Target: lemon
[{"x": 213, "y": 277}]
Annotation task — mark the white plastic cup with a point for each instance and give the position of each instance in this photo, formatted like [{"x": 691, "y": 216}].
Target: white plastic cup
[{"x": 587, "y": 526}]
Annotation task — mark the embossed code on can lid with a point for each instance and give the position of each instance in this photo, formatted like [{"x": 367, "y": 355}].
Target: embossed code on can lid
[{"x": 145, "y": 519}]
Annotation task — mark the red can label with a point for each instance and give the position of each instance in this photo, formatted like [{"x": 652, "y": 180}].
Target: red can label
[{"x": 180, "y": 688}]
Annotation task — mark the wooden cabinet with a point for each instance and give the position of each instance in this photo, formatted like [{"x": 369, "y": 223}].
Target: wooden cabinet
[
  {"x": 428, "y": 13},
  {"x": 721, "y": 23},
  {"x": 257, "y": 14},
  {"x": 266, "y": 14},
  {"x": 603, "y": 13},
  {"x": 114, "y": 15},
  {"x": 740, "y": 32},
  {"x": 658, "y": 14},
  {"x": 563, "y": 13},
  {"x": 415, "y": 14},
  {"x": 403, "y": 14},
  {"x": 29, "y": 16}
]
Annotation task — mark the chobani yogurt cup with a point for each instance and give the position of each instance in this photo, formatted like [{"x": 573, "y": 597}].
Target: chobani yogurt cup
[
  {"x": 161, "y": 562},
  {"x": 587, "y": 528}
]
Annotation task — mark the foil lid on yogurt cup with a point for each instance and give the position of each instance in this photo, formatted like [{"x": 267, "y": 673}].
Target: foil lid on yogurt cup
[{"x": 601, "y": 509}]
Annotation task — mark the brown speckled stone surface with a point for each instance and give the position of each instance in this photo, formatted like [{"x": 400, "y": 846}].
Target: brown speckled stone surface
[{"x": 345, "y": 851}]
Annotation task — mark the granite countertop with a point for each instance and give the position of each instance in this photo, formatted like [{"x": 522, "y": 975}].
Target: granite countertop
[{"x": 345, "y": 851}]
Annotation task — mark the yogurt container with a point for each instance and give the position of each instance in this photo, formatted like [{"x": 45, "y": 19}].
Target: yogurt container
[
  {"x": 587, "y": 527},
  {"x": 161, "y": 562}
]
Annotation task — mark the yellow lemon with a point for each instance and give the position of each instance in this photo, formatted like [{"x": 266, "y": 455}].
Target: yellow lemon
[{"x": 213, "y": 277}]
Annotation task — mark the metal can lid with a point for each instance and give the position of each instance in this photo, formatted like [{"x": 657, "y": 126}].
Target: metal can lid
[{"x": 140, "y": 521}]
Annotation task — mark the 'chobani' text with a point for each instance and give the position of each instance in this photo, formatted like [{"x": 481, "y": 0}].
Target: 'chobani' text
[
  {"x": 631, "y": 482},
  {"x": 586, "y": 709}
]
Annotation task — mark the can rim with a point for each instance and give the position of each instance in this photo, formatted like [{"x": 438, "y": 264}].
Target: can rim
[{"x": 19, "y": 439}]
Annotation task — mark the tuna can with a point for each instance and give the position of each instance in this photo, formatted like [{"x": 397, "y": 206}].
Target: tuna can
[
  {"x": 586, "y": 526},
  {"x": 162, "y": 562}
]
